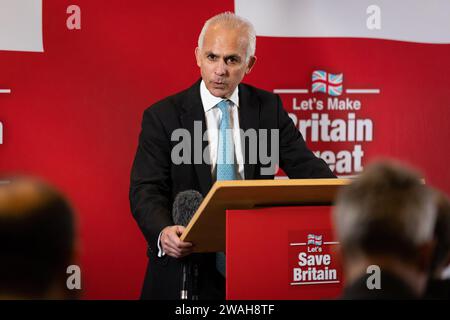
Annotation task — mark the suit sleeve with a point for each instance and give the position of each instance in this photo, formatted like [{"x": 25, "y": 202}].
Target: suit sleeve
[
  {"x": 150, "y": 183},
  {"x": 295, "y": 158}
]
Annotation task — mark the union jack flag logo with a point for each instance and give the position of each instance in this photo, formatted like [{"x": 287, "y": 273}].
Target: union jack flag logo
[
  {"x": 327, "y": 83},
  {"x": 314, "y": 239}
]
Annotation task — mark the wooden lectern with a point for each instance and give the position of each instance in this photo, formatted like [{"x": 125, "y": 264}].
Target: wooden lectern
[{"x": 269, "y": 229}]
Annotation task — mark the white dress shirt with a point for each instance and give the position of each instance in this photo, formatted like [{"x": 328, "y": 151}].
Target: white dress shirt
[{"x": 213, "y": 117}]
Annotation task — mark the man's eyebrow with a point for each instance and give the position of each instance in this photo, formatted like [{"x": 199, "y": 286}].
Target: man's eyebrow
[
  {"x": 236, "y": 56},
  {"x": 233, "y": 55}
]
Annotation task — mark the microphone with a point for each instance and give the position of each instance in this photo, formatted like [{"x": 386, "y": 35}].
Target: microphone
[{"x": 184, "y": 206}]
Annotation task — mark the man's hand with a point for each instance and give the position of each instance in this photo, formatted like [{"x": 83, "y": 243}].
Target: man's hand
[{"x": 171, "y": 243}]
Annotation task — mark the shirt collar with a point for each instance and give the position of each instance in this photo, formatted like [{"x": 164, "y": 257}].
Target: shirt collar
[{"x": 209, "y": 101}]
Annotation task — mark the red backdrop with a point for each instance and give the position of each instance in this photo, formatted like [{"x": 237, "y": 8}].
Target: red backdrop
[{"x": 73, "y": 115}]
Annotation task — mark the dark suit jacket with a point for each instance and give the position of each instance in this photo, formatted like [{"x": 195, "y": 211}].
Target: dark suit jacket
[{"x": 156, "y": 180}]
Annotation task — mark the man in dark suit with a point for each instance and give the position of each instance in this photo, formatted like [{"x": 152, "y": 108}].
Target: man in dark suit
[
  {"x": 225, "y": 53},
  {"x": 384, "y": 222}
]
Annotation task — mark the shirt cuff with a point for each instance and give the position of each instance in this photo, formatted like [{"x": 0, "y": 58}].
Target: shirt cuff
[{"x": 161, "y": 252}]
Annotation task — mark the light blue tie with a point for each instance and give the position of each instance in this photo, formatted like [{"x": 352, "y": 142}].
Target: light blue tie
[{"x": 226, "y": 169}]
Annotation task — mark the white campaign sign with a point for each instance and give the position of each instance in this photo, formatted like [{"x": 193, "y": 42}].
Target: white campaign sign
[
  {"x": 21, "y": 25},
  {"x": 405, "y": 20}
]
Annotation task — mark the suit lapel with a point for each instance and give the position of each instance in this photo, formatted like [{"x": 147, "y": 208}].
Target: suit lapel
[
  {"x": 249, "y": 111},
  {"x": 194, "y": 112}
]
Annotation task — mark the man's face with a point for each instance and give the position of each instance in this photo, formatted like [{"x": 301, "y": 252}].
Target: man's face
[{"x": 222, "y": 60}]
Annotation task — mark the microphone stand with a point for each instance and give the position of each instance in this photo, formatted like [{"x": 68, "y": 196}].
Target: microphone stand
[
  {"x": 184, "y": 282},
  {"x": 195, "y": 282}
]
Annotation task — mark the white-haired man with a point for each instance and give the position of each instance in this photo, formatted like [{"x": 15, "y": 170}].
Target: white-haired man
[
  {"x": 220, "y": 103},
  {"x": 384, "y": 221}
]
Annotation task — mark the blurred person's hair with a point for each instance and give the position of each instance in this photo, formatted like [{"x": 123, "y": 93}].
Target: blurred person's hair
[
  {"x": 441, "y": 253},
  {"x": 36, "y": 239},
  {"x": 385, "y": 211}
]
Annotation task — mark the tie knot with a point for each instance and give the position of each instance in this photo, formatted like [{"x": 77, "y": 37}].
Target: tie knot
[{"x": 223, "y": 105}]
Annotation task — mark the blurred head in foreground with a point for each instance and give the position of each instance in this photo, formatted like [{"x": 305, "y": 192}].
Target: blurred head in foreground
[
  {"x": 386, "y": 218},
  {"x": 439, "y": 284},
  {"x": 37, "y": 240},
  {"x": 441, "y": 256}
]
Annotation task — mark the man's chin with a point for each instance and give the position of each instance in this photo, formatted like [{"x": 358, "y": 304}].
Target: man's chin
[{"x": 220, "y": 92}]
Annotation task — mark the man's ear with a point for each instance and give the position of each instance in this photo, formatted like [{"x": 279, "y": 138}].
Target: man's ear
[
  {"x": 197, "y": 56},
  {"x": 251, "y": 63}
]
